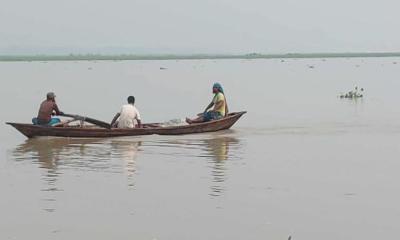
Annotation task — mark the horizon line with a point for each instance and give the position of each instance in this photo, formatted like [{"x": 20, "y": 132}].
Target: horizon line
[{"x": 189, "y": 56}]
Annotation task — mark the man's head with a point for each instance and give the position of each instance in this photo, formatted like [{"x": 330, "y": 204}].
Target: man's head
[
  {"x": 131, "y": 100},
  {"x": 217, "y": 88},
  {"x": 50, "y": 96}
]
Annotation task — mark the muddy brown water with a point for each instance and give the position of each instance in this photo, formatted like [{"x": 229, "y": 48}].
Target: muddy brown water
[{"x": 301, "y": 163}]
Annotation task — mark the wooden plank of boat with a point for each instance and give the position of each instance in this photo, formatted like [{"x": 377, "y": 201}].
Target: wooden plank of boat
[{"x": 31, "y": 131}]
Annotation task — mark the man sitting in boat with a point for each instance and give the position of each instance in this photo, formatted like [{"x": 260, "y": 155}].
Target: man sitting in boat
[
  {"x": 48, "y": 108},
  {"x": 127, "y": 115},
  {"x": 220, "y": 107}
]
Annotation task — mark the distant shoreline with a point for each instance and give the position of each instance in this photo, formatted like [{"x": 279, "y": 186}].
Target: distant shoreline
[{"x": 123, "y": 57}]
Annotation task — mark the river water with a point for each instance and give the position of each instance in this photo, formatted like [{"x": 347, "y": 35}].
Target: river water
[{"x": 301, "y": 163}]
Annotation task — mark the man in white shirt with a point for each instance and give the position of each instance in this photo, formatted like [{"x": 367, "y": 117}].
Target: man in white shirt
[{"x": 127, "y": 115}]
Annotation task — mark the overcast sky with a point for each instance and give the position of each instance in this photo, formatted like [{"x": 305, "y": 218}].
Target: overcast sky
[{"x": 198, "y": 26}]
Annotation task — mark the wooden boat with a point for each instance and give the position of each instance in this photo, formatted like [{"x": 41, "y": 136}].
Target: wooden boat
[{"x": 31, "y": 131}]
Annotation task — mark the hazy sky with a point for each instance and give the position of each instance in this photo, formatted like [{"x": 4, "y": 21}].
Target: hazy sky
[{"x": 198, "y": 26}]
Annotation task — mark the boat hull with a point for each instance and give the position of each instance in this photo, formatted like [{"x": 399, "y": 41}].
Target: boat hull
[{"x": 31, "y": 131}]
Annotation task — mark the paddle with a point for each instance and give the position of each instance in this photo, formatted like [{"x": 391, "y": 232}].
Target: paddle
[{"x": 88, "y": 119}]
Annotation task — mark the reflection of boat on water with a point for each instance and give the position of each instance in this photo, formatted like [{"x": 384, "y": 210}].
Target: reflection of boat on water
[
  {"x": 49, "y": 151},
  {"x": 57, "y": 156},
  {"x": 51, "y": 155},
  {"x": 80, "y": 153}
]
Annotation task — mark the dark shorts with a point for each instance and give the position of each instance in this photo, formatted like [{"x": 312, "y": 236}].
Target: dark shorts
[{"x": 211, "y": 115}]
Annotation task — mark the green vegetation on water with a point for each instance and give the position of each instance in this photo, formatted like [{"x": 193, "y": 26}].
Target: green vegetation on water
[{"x": 92, "y": 57}]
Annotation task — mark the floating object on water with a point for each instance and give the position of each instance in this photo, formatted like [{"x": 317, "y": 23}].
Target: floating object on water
[
  {"x": 163, "y": 68},
  {"x": 310, "y": 66},
  {"x": 353, "y": 94}
]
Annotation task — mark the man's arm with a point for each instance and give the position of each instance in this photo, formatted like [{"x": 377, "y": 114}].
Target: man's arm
[
  {"x": 58, "y": 112},
  {"x": 209, "y": 106},
  {"x": 139, "y": 123},
  {"x": 138, "y": 118},
  {"x": 115, "y": 119}
]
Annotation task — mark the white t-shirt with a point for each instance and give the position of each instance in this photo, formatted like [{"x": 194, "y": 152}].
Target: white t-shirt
[{"x": 127, "y": 116}]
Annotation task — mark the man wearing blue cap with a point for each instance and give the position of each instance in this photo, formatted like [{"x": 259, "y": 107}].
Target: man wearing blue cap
[{"x": 220, "y": 107}]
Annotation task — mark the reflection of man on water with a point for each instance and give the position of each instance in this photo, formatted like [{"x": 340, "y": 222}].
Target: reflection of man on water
[
  {"x": 48, "y": 152},
  {"x": 218, "y": 149},
  {"x": 127, "y": 151},
  {"x": 45, "y": 152}
]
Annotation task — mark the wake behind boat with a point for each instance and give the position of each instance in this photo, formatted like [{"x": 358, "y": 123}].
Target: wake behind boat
[{"x": 30, "y": 130}]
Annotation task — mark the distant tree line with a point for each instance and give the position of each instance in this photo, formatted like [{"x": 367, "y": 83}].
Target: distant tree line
[{"x": 93, "y": 57}]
